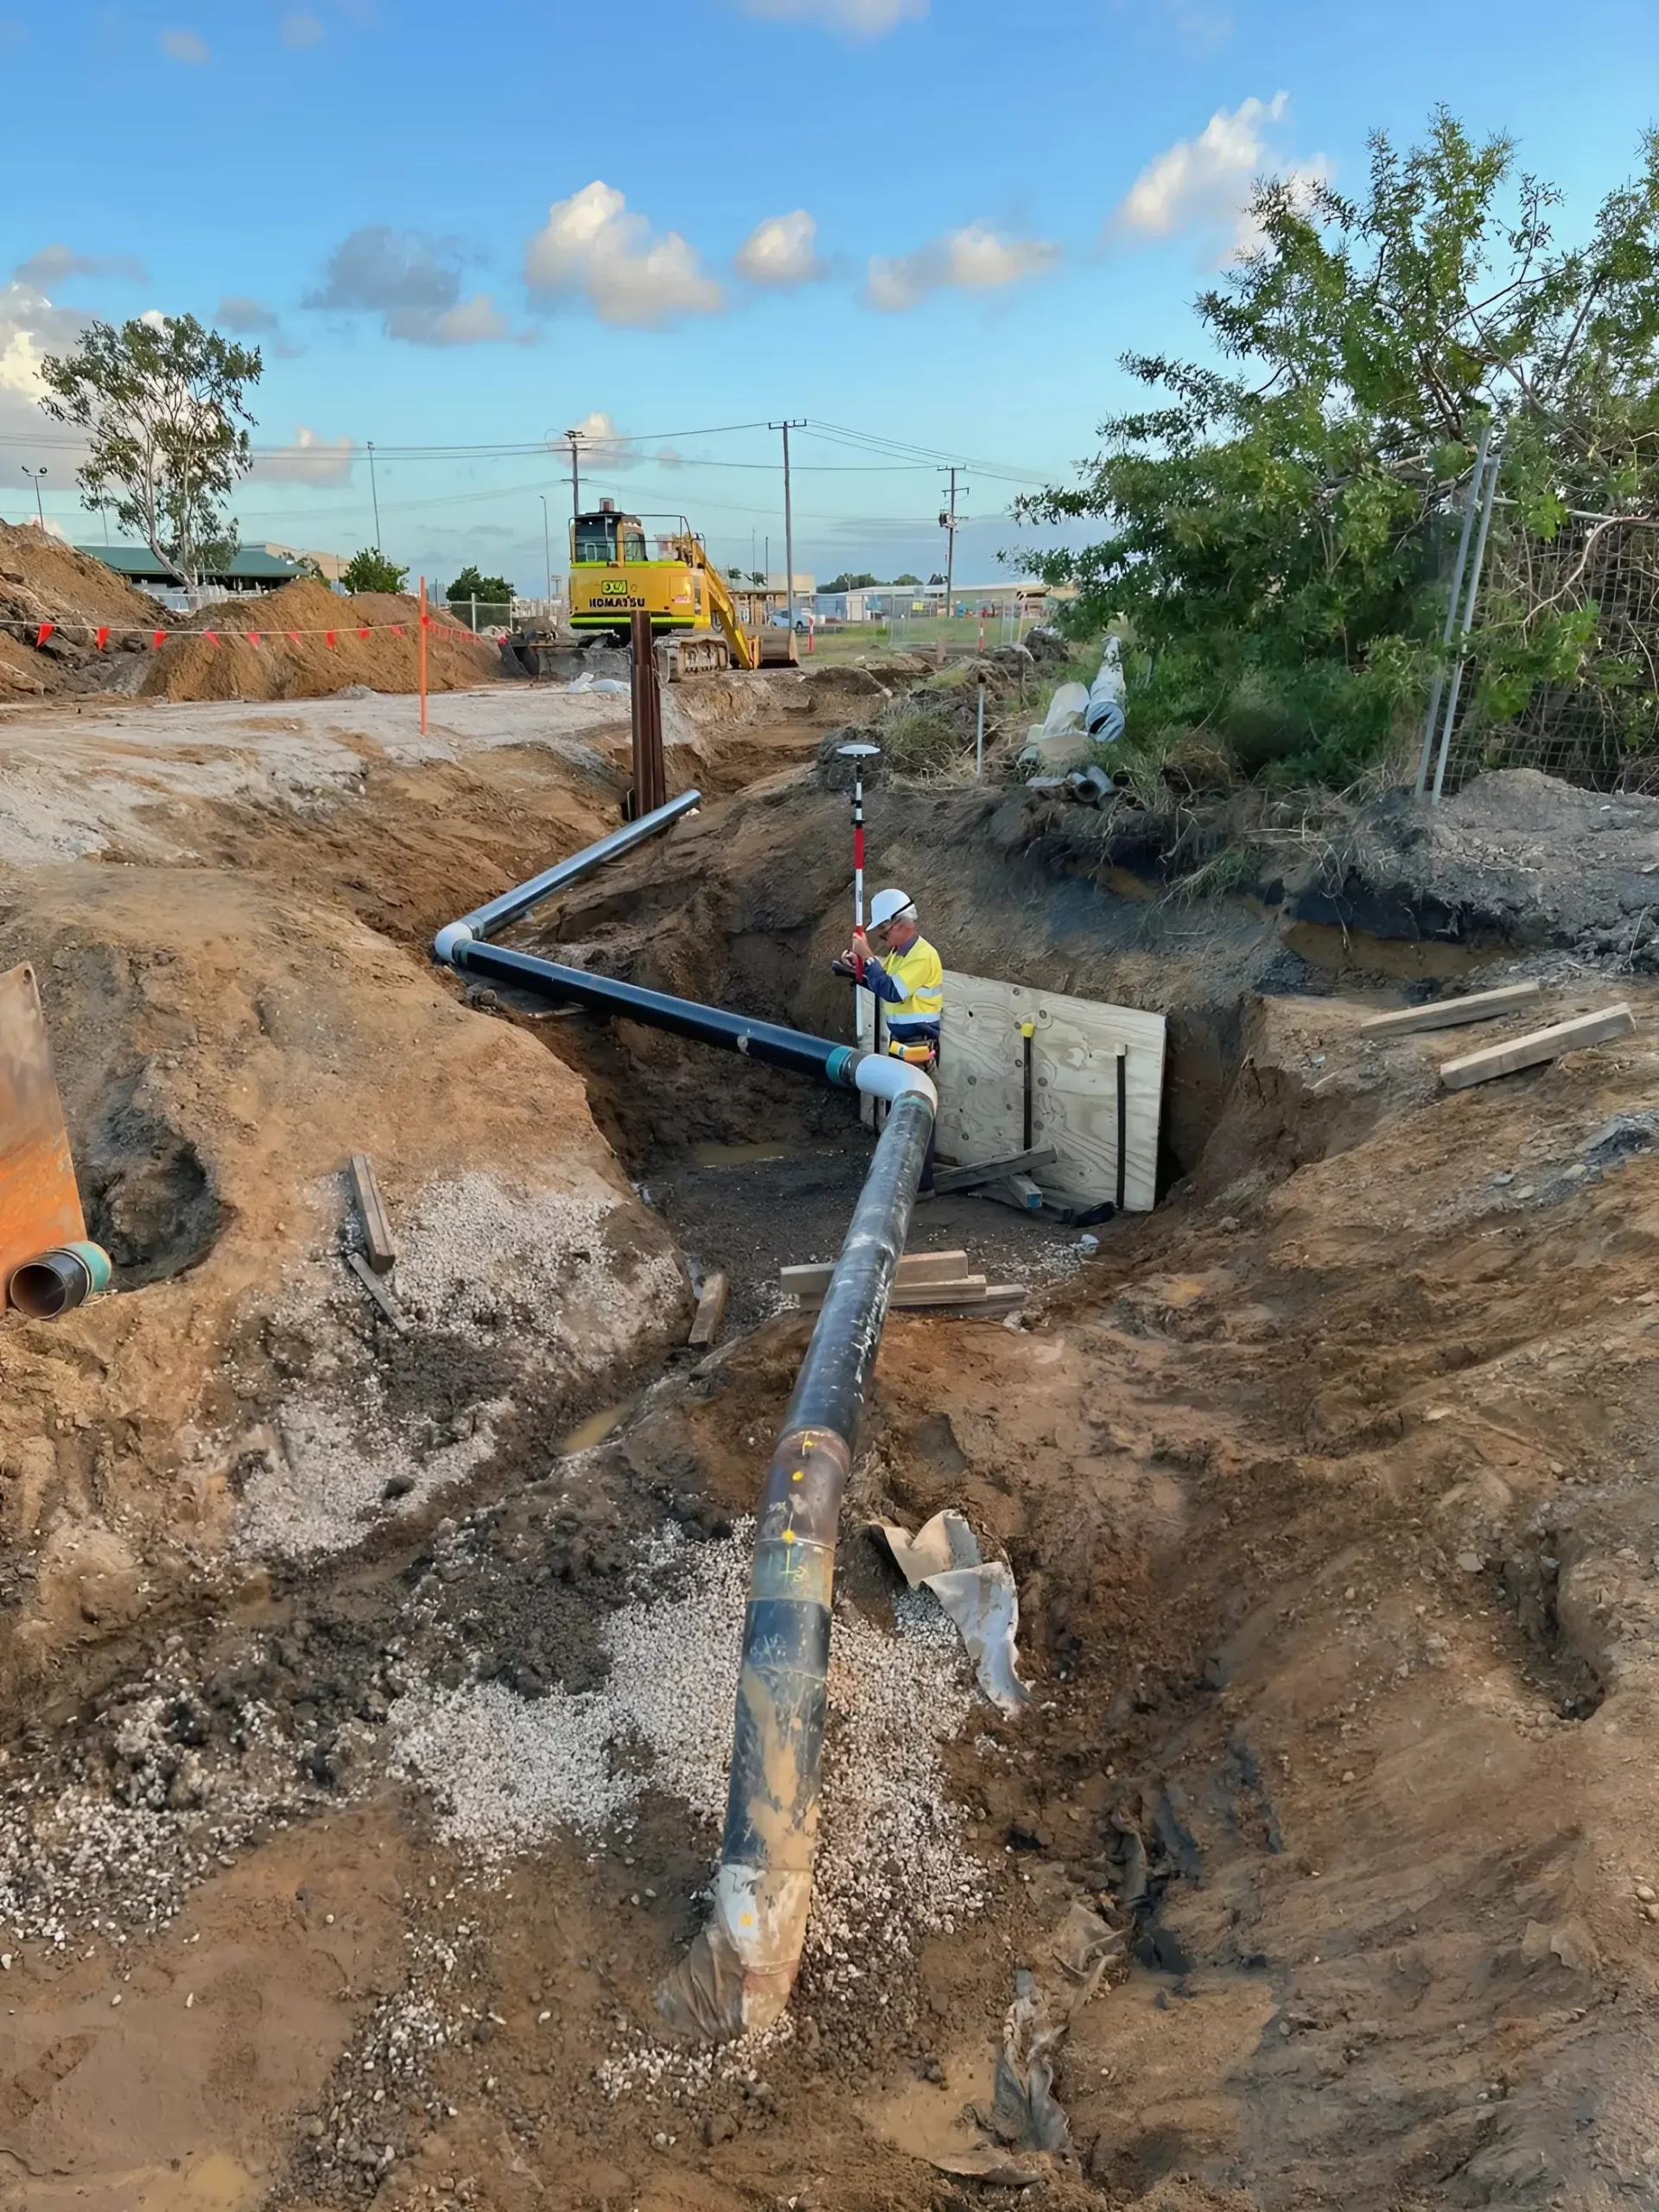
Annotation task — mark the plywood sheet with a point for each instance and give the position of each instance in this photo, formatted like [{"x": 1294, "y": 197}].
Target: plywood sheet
[
  {"x": 40, "y": 1205},
  {"x": 1076, "y": 1047}
]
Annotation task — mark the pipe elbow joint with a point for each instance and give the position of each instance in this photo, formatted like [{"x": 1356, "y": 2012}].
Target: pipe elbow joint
[
  {"x": 879, "y": 1076},
  {"x": 451, "y": 935}
]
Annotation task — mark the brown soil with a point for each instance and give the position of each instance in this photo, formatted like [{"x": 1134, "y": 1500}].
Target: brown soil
[
  {"x": 303, "y": 666},
  {"x": 1328, "y": 1489},
  {"x": 43, "y": 579}
]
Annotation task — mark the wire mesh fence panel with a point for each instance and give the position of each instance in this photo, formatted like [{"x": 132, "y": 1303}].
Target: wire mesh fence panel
[
  {"x": 481, "y": 613},
  {"x": 1566, "y": 659}
]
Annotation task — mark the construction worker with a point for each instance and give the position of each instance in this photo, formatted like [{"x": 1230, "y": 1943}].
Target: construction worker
[{"x": 896, "y": 962}]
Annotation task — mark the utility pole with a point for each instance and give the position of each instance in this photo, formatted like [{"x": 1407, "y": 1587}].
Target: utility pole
[
  {"x": 573, "y": 439},
  {"x": 374, "y": 493},
  {"x": 547, "y": 553},
  {"x": 789, "y": 521},
  {"x": 37, "y": 473},
  {"x": 948, "y": 523}
]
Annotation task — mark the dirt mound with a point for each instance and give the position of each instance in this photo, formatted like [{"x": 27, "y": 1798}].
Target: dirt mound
[
  {"x": 211, "y": 655},
  {"x": 43, "y": 581}
]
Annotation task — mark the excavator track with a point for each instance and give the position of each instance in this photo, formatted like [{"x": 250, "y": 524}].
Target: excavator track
[{"x": 702, "y": 653}]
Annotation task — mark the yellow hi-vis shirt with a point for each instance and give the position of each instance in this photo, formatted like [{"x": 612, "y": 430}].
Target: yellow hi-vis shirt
[{"x": 911, "y": 987}]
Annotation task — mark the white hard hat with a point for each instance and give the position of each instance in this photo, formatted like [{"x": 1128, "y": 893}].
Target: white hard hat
[{"x": 886, "y": 905}]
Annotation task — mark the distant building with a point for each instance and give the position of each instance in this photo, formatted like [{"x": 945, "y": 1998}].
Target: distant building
[
  {"x": 251, "y": 569},
  {"x": 331, "y": 566}
]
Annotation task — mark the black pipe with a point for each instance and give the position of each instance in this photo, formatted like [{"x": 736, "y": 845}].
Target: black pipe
[
  {"x": 739, "y": 1971},
  {"x": 819, "y": 1058}
]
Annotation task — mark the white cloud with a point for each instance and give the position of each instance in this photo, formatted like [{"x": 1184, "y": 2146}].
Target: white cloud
[
  {"x": 246, "y": 318},
  {"x": 1203, "y": 185},
  {"x": 30, "y": 327},
  {"x": 782, "y": 252},
  {"x": 477, "y": 321},
  {"x": 184, "y": 45},
  {"x": 851, "y": 18},
  {"x": 53, "y": 263},
  {"x": 606, "y": 448},
  {"x": 973, "y": 259},
  {"x": 413, "y": 283},
  {"x": 299, "y": 31},
  {"x": 312, "y": 458},
  {"x": 592, "y": 248}
]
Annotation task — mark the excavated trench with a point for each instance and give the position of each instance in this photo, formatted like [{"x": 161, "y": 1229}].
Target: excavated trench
[{"x": 1324, "y": 1487}]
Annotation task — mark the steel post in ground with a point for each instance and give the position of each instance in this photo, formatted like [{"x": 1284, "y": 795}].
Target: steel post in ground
[
  {"x": 645, "y": 698},
  {"x": 1470, "y": 506},
  {"x": 1477, "y": 563}
]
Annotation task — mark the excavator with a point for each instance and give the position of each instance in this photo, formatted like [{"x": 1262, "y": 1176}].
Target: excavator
[{"x": 613, "y": 577}]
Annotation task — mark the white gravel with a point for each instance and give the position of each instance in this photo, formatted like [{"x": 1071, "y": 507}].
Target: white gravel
[
  {"x": 499, "y": 1266},
  {"x": 507, "y": 1772}
]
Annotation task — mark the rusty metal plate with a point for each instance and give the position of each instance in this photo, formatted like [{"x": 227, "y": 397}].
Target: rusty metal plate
[{"x": 39, "y": 1204}]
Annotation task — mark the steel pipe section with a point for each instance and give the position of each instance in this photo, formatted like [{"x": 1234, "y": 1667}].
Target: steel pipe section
[
  {"x": 738, "y": 1973},
  {"x": 741, "y": 1970},
  {"x": 819, "y": 1058},
  {"x": 486, "y": 921}
]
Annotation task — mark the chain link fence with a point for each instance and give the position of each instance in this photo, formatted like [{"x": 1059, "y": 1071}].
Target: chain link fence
[{"x": 1564, "y": 671}]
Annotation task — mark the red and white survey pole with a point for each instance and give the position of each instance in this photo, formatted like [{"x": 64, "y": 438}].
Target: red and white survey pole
[{"x": 864, "y": 1005}]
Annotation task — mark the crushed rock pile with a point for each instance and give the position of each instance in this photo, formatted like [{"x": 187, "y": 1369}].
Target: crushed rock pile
[
  {"x": 44, "y": 580},
  {"x": 294, "y": 659}
]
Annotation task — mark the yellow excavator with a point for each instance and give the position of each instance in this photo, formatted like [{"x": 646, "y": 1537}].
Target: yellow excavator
[{"x": 613, "y": 576}]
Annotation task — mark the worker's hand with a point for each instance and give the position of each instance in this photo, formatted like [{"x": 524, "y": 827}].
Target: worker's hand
[{"x": 854, "y": 957}]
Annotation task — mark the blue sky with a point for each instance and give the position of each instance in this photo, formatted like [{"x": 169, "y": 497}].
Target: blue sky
[{"x": 936, "y": 223}]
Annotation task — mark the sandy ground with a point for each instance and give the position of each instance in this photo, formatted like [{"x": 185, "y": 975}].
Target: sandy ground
[{"x": 365, "y": 1688}]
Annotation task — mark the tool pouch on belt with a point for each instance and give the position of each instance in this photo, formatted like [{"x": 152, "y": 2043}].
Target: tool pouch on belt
[{"x": 916, "y": 1056}]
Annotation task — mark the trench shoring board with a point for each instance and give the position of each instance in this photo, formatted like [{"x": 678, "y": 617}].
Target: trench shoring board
[
  {"x": 39, "y": 1204},
  {"x": 1076, "y": 1045}
]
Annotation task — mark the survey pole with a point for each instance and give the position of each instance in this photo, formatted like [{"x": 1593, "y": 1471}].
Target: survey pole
[{"x": 856, "y": 753}]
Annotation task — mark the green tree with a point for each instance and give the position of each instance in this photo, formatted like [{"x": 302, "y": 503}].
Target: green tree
[
  {"x": 1278, "y": 527},
  {"x": 492, "y": 593},
  {"x": 845, "y": 581},
  {"x": 907, "y": 579},
  {"x": 370, "y": 570},
  {"x": 161, "y": 404}
]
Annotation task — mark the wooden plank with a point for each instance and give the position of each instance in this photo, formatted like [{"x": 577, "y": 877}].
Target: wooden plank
[
  {"x": 39, "y": 1203},
  {"x": 1076, "y": 1047},
  {"x": 958, "y": 1289},
  {"x": 377, "y": 1229},
  {"x": 1016, "y": 1190},
  {"x": 914, "y": 1267},
  {"x": 1451, "y": 1013},
  {"x": 946, "y": 1179},
  {"x": 711, "y": 1308},
  {"x": 1538, "y": 1045},
  {"x": 377, "y": 1290},
  {"x": 996, "y": 1301}
]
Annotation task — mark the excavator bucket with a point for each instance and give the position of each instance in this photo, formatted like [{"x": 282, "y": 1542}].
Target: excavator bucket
[{"x": 778, "y": 647}]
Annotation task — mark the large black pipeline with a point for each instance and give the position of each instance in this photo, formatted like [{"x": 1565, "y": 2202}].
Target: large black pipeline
[
  {"x": 741, "y": 1968},
  {"x": 819, "y": 1058}
]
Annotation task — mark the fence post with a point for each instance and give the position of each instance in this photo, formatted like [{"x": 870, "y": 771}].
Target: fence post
[
  {"x": 1437, "y": 693},
  {"x": 1478, "y": 561}
]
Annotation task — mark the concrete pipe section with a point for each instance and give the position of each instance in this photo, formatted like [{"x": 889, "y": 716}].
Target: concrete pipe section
[{"x": 741, "y": 1970}]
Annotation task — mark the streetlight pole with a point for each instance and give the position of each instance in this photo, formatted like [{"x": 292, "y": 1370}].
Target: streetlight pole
[
  {"x": 37, "y": 473},
  {"x": 374, "y": 494},
  {"x": 789, "y": 522},
  {"x": 547, "y": 552}
]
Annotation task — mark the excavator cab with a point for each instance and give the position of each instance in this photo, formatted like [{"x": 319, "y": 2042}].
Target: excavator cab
[{"x": 607, "y": 537}]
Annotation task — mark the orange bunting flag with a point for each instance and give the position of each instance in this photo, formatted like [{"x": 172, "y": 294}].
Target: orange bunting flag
[
  {"x": 426, "y": 621},
  {"x": 328, "y": 639},
  {"x": 293, "y": 637},
  {"x": 363, "y": 632},
  {"x": 212, "y": 636},
  {"x": 252, "y": 636},
  {"x": 396, "y": 629},
  {"x": 101, "y": 638},
  {"x": 44, "y": 632},
  {"x": 156, "y": 638}
]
